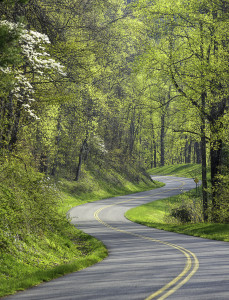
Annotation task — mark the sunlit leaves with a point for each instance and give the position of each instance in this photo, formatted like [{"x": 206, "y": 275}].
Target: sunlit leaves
[{"x": 33, "y": 59}]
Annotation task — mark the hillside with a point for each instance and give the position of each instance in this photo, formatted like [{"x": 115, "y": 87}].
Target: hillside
[{"x": 38, "y": 243}]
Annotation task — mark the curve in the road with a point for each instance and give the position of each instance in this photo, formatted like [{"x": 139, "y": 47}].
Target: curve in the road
[
  {"x": 192, "y": 263},
  {"x": 143, "y": 263}
]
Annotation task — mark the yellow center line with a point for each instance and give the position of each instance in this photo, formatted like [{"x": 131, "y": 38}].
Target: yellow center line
[{"x": 177, "y": 282}]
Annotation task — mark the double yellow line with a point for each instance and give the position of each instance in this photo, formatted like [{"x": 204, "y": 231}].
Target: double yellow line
[{"x": 191, "y": 266}]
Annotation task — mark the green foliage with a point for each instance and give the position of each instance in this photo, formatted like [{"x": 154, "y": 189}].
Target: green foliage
[
  {"x": 186, "y": 170},
  {"x": 156, "y": 215},
  {"x": 29, "y": 200},
  {"x": 14, "y": 1},
  {"x": 188, "y": 49},
  {"x": 130, "y": 99},
  {"x": 9, "y": 50},
  {"x": 37, "y": 242},
  {"x": 101, "y": 184},
  {"x": 181, "y": 213},
  {"x": 221, "y": 210},
  {"x": 43, "y": 259},
  {"x": 187, "y": 207}
]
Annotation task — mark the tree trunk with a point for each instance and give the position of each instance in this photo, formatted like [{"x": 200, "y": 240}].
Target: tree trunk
[
  {"x": 14, "y": 129},
  {"x": 189, "y": 152},
  {"x": 155, "y": 154},
  {"x": 151, "y": 154},
  {"x": 204, "y": 177},
  {"x": 43, "y": 167},
  {"x": 197, "y": 154},
  {"x": 131, "y": 137},
  {"x": 162, "y": 139},
  {"x": 188, "y": 149},
  {"x": 204, "y": 161},
  {"x": 216, "y": 126},
  {"x": 57, "y": 143},
  {"x": 216, "y": 159},
  {"x": 83, "y": 149},
  {"x": 153, "y": 148}
]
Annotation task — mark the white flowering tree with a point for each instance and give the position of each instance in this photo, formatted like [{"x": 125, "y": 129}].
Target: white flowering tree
[{"x": 28, "y": 65}]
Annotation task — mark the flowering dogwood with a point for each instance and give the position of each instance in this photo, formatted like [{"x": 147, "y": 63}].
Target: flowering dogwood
[
  {"x": 36, "y": 61},
  {"x": 32, "y": 45}
]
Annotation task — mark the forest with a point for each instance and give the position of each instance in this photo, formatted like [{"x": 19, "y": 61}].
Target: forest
[{"x": 91, "y": 86}]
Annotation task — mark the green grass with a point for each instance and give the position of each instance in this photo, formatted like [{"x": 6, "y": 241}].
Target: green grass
[
  {"x": 42, "y": 256},
  {"x": 91, "y": 189},
  {"x": 186, "y": 170},
  {"x": 37, "y": 262},
  {"x": 155, "y": 214}
]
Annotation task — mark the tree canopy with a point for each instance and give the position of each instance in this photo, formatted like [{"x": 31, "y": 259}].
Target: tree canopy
[{"x": 105, "y": 84}]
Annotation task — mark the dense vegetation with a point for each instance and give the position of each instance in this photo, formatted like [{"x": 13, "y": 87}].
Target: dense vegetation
[
  {"x": 61, "y": 81},
  {"x": 37, "y": 241},
  {"x": 181, "y": 213},
  {"x": 92, "y": 88}
]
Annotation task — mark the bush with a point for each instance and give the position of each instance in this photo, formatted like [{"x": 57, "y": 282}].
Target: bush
[
  {"x": 188, "y": 209},
  {"x": 183, "y": 214},
  {"x": 221, "y": 211},
  {"x": 29, "y": 203}
]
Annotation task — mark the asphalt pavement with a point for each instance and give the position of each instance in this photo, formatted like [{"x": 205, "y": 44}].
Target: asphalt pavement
[{"x": 143, "y": 263}]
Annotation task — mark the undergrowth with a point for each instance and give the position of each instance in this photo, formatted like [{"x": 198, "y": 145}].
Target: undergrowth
[
  {"x": 185, "y": 170},
  {"x": 101, "y": 184},
  {"x": 183, "y": 213},
  {"x": 37, "y": 241}
]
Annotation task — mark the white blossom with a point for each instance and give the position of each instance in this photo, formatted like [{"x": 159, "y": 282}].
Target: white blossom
[
  {"x": 6, "y": 70},
  {"x": 32, "y": 45},
  {"x": 32, "y": 114},
  {"x": 11, "y": 26},
  {"x": 26, "y": 105}
]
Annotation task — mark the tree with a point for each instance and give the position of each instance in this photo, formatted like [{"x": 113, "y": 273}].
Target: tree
[
  {"x": 33, "y": 64},
  {"x": 189, "y": 45}
]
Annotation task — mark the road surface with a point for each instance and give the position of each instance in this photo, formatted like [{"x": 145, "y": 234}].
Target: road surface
[{"x": 143, "y": 263}]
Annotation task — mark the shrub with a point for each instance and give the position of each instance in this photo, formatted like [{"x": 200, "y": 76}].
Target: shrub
[
  {"x": 188, "y": 209},
  {"x": 29, "y": 203},
  {"x": 221, "y": 211},
  {"x": 182, "y": 213}
]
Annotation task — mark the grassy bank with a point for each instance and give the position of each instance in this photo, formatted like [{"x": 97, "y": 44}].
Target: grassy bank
[
  {"x": 185, "y": 170},
  {"x": 157, "y": 214},
  {"x": 43, "y": 259},
  {"x": 99, "y": 185},
  {"x": 37, "y": 242}
]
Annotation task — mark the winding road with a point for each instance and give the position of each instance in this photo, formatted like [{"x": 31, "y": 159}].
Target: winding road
[{"x": 143, "y": 263}]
